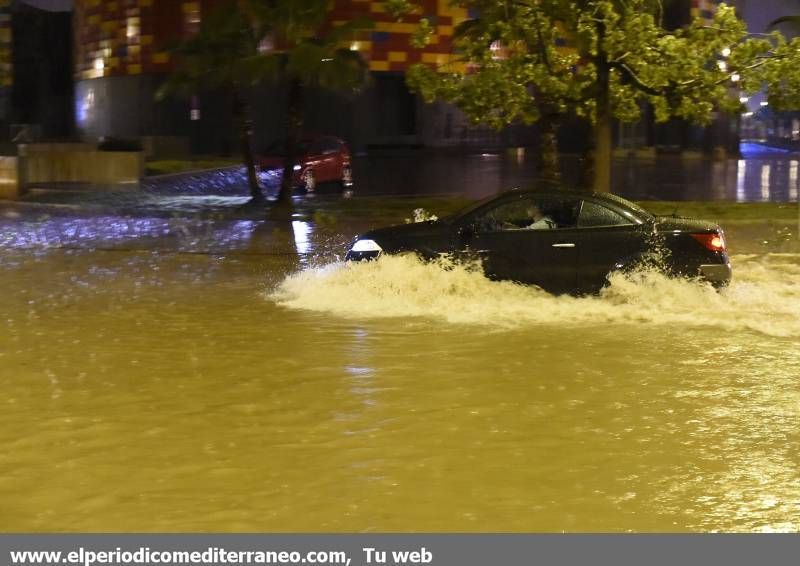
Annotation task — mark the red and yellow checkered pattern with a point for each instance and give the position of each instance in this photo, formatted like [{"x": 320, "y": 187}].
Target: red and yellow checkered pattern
[
  {"x": 703, "y": 9},
  {"x": 387, "y": 47},
  {"x": 128, "y": 37},
  {"x": 6, "y": 74}
]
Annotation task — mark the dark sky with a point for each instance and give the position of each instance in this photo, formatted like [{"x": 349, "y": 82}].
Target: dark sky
[{"x": 54, "y": 5}]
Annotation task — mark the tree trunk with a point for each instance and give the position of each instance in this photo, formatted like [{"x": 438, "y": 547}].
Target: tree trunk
[
  {"x": 294, "y": 132},
  {"x": 549, "y": 166},
  {"x": 241, "y": 111},
  {"x": 601, "y": 182}
]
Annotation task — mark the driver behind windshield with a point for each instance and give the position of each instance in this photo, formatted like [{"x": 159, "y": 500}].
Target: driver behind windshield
[{"x": 539, "y": 220}]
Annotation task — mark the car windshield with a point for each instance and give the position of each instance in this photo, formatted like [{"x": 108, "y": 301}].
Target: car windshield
[
  {"x": 469, "y": 208},
  {"x": 631, "y": 205}
]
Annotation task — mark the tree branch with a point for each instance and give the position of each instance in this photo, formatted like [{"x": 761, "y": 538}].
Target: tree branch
[{"x": 630, "y": 76}]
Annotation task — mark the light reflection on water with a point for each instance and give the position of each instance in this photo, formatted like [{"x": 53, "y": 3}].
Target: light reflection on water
[
  {"x": 152, "y": 391},
  {"x": 756, "y": 177},
  {"x": 111, "y": 231},
  {"x": 760, "y": 175}
]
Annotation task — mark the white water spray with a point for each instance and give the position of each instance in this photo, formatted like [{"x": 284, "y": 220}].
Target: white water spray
[{"x": 764, "y": 296}]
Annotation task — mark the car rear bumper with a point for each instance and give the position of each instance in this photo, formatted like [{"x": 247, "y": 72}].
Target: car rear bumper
[{"x": 718, "y": 274}]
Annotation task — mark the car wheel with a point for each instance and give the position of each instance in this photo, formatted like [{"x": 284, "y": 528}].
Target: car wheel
[
  {"x": 309, "y": 181},
  {"x": 347, "y": 177}
]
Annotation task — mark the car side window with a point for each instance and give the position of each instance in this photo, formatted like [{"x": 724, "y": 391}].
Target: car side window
[
  {"x": 595, "y": 215},
  {"x": 529, "y": 213}
]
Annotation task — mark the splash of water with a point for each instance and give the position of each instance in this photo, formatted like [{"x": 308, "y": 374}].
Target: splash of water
[{"x": 763, "y": 297}]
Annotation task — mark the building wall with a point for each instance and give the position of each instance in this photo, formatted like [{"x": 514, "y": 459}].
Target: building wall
[
  {"x": 129, "y": 37},
  {"x": 704, "y": 8},
  {"x": 6, "y": 74},
  {"x": 36, "y": 85},
  {"x": 121, "y": 58},
  {"x": 387, "y": 47}
]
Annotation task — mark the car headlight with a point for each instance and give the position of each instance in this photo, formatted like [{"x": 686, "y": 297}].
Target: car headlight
[
  {"x": 366, "y": 246},
  {"x": 297, "y": 168}
]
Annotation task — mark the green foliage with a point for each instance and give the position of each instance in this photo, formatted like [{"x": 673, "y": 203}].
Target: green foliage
[
  {"x": 225, "y": 53},
  {"x": 397, "y": 8},
  {"x": 422, "y": 35},
  {"x": 516, "y": 71},
  {"x": 219, "y": 55}
]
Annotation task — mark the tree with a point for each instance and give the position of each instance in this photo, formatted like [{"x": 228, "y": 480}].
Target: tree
[
  {"x": 220, "y": 57},
  {"x": 619, "y": 57},
  {"x": 247, "y": 42},
  {"x": 305, "y": 53}
]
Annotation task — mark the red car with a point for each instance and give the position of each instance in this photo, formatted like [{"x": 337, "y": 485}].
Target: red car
[{"x": 321, "y": 159}]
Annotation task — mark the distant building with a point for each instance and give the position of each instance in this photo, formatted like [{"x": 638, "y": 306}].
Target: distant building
[
  {"x": 122, "y": 58},
  {"x": 93, "y": 73},
  {"x": 35, "y": 72}
]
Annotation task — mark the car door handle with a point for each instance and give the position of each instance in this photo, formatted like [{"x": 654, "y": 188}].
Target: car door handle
[{"x": 564, "y": 245}]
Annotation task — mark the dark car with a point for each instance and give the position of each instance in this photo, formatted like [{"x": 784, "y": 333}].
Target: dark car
[
  {"x": 320, "y": 159},
  {"x": 564, "y": 242}
]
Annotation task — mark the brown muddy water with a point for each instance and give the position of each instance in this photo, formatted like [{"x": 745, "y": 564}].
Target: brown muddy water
[{"x": 155, "y": 383}]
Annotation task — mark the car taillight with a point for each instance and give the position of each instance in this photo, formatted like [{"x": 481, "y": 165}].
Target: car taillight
[{"x": 712, "y": 241}]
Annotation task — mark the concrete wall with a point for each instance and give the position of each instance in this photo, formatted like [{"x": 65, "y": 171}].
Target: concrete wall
[
  {"x": 80, "y": 163},
  {"x": 9, "y": 182}
]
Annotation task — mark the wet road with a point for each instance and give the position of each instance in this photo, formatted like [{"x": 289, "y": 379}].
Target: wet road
[
  {"x": 170, "y": 366},
  {"x": 183, "y": 374},
  {"x": 761, "y": 175}
]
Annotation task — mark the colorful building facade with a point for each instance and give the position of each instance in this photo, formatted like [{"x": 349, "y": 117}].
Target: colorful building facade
[
  {"x": 129, "y": 37},
  {"x": 35, "y": 72},
  {"x": 703, "y": 9},
  {"x": 121, "y": 56},
  {"x": 6, "y": 72}
]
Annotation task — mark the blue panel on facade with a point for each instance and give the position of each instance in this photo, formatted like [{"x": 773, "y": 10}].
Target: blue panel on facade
[{"x": 380, "y": 36}]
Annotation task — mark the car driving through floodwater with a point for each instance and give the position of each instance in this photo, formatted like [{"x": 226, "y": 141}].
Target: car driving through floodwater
[{"x": 561, "y": 241}]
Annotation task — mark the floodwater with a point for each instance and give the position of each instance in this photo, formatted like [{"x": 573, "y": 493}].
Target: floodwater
[
  {"x": 164, "y": 375},
  {"x": 763, "y": 174}
]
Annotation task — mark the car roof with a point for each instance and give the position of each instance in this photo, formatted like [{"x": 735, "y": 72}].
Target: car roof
[
  {"x": 571, "y": 193},
  {"x": 559, "y": 192},
  {"x": 552, "y": 191}
]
